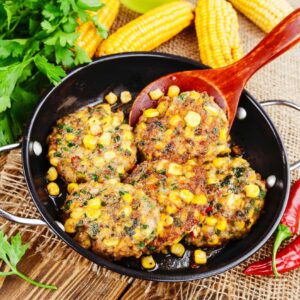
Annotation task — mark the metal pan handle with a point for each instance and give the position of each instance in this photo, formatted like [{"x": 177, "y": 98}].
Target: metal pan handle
[
  {"x": 25, "y": 221},
  {"x": 295, "y": 106}
]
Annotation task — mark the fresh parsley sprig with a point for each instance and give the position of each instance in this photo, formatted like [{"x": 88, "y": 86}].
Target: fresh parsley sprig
[
  {"x": 37, "y": 46},
  {"x": 11, "y": 253}
]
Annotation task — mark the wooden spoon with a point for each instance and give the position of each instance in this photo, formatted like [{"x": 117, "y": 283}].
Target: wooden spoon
[{"x": 226, "y": 84}]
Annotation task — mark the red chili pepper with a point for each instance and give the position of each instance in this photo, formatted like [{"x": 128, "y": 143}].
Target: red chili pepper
[
  {"x": 287, "y": 259},
  {"x": 288, "y": 226}
]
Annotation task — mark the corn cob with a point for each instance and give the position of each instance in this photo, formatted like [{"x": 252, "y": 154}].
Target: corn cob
[
  {"x": 150, "y": 30},
  {"x": 217, "y": 31},
  {"x": 266, "y": 14},
  {"x": 89, "y": 39}
]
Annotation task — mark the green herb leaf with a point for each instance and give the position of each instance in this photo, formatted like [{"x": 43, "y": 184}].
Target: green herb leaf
[
  {"x": 81, "y": 56},
  {"x": 93, "y": 5}
]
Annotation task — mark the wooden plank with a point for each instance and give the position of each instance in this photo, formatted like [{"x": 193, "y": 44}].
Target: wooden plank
[{"x": 73, "y": 282}]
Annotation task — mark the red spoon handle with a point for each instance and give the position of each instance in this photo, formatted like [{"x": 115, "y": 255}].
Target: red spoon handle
[{"x": 284, "y": 36}]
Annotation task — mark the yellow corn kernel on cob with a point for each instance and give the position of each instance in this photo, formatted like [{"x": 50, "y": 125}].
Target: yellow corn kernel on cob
[
  {"x": 150, "y": 30},
  {"x": 89, "y": 39},
  {"x": 266, "y": 14},
  {"x": 217, "y": 31}
]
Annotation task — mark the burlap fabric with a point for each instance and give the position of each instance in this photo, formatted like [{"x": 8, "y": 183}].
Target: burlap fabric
[{"x": 279, "y": 80}]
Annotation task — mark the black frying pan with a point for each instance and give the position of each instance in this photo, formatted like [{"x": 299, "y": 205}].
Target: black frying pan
[{"x": 87, "y": 85}]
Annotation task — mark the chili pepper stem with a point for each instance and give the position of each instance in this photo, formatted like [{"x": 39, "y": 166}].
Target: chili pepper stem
[{"x": 283, "y": 232}]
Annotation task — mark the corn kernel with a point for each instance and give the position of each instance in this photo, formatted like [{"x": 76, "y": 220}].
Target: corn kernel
[
  {"x": 156, "y": 94},
  {"x": 127, "y": 210},
  {"x": 93, "y": 213},
  {"x": 52, "y": 174},
  {"x": 223, "y": 135},
  {"x": 173, "y": 91},
  {"x": 178, "y": 249},
  {"x": 70, "y": 137},
  {"x": 77, "y": 213},
  {"x": 148, "y": 262},
  {"x": 239, "y": 225},
  {"x": 89, "y": 142},
  {"x": 117, "y": 120},
  {"x": 162, "y": 107},
  {"x": 175, "y": 120},
  {"x": 174, "y": 197},
  {"x": 151, "y": 113},
  {"x": 252, "y": 190},
  {"x": 125, "y": 97},
  {"x": 198, "y": 216},
  {"x": 192, "y": 119},
  {"x": 200, "y": 257},
  {"x": 111, "y": 98},
  {"x": 160, "y": 228},
  {"x": 70, "y": 225},
  {"x": 53, "y": 189},
  {"x": 166, "y": 220},
  {"x": 111, "y": 242},
  {"x": 219, "y": 161},
  {"x": 105, "y": 139},
  {"x": 105, "y": 107},
  {"x": 192, "y": 162},
  {"x": 194, "y": 95},
  {"x": 214, "y": 241},
  {"x": 171, "y": 209},
  {"x": 238, "y": 162},
  {"x": 213, "y": 110},
  {"x": 190, "y": 174},
  {"x": 85, "y": 243},
  {"x": 186, "y": 195},
  {"x": 128, "y": 135},
  {"x": 127, "y": 198},
  {"x": 109, "y": 155},
  {"x": 221, "y": 224},
  {"x": 72, "y": 187},
  {"x": 212, "y": 179},
  {"x": 54, "y": 161},
  {"x": 211, "y": 221},
  {"x": 94, "y": 203},
  {"x": 199, "y": 200},
  {"x": 188, "y": 133},
  {"x": 175, "y": 169}
]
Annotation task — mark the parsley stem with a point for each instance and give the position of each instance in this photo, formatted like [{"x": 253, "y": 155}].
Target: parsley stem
[
  {"x": 7, "y": 273},
  {"x": 33, "y": 282}
]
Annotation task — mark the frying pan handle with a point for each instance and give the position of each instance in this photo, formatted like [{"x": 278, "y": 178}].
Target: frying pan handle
[
  {"x": 26, "y": 221},
  {"x": 293, "y": 105}
]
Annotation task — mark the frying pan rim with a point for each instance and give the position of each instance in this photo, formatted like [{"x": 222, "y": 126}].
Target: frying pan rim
[{"x": 140, "y": 274}]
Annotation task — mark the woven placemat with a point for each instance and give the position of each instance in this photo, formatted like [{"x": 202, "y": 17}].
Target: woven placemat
[{"x": 279, "y": 80}]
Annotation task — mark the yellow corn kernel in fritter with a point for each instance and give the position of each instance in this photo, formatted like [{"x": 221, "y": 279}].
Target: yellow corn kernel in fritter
[
  {"x": 54, "y": 161},
  {"x": 211, "y": 109},
  {"x": 70, "y": 137},
  {"x": 239, "y": 225},
  {"x": 223, "y": 135},
  {"x": 125, "y": 97},
  {"x": 198, "y": 216},
  {"x": 77, "y": 213},
  {"x": 52, "y": 174},
  {"x": 162, "y": 107},
  {"x": 171, "y": 209},
  {"x": 178, "y": 249},
  {"x": 186, "y": 195},
  {"x": 174, "y": 198},
  {"x": 252, "y": 190},
  {"x": 148, "y": 262},
  {"x": 199, "y": 200},
  {"x": 219, "y": 161},
  {"x": 111, "y": 98},
  {"x": 188, "y": 133},
  {"x": 70, "y": 225},
  {"x": 99, "y": 162},
  {"x": 94, "y": 125},
  {"x": 211, "y": 221},
  {"x": 194, "y": 95},
  {"x": 127, "y": 198},
  {"x": 128, "y": 135},
  {"x": 94, "y": 203},
  {"x": 221, "y": 224},
  {"x": 105, "y": 139},
  {"x": 156, "y": 94},
  {"x": 175, "y": 169},
  {"x": 173, "y": 91},
  {"x": 175, "y": 120},
  {"x": 214, "y": 241},
  {"x": 166, "y": 220},
  {"x": 93, "y": 213},
  {"x": 160, "y": 228},
  {"x": 151, "y": 113},
  {"x": 72, "y": 187},
  {"x": 53, "y": 189},
  {"x": 89, "y": 142},
  {"x": 200, "y": 257},
  {"x": 192, "y": 119},
  {"x": 111, "y": 242}
]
